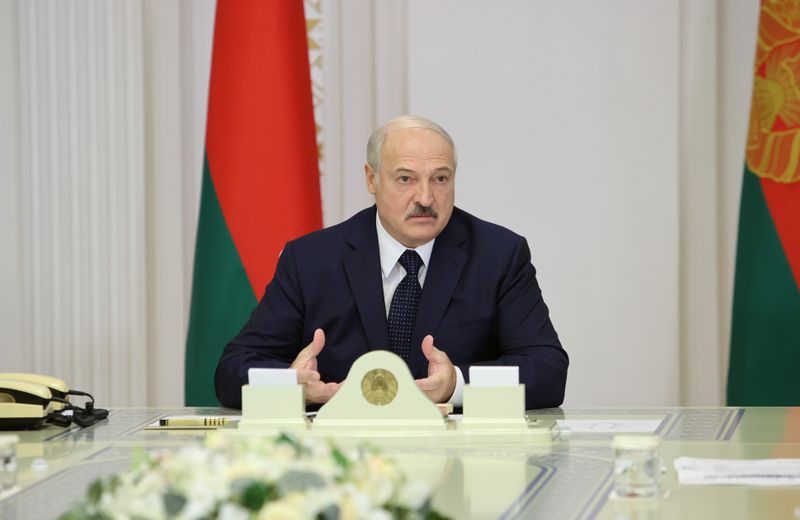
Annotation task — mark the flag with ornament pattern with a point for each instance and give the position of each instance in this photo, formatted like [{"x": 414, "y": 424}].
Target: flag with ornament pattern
[
  {"x": 765, "y": 333},
  {"x": 260, "y": 178}
]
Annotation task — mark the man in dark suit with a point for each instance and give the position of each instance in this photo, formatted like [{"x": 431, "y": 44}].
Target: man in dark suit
[{"x": 412, "y": 274}]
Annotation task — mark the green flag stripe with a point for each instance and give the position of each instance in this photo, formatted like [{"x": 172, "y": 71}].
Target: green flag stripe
[
  {"x": 765, "y": 337},
  {"x": 222, "y": 298}
]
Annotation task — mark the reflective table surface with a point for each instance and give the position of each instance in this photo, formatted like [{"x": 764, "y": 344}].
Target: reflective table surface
[{"x": 477, "y": 476}]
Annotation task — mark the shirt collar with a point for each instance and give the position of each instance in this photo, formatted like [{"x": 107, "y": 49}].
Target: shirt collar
[{"x": 391, "y": 250}]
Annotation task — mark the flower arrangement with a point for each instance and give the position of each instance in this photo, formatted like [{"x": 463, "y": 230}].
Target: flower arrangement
[{"x": 263, "y": 479}]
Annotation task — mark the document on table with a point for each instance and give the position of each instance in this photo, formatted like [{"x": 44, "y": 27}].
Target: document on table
[
  {"x": 756, "y": 472},
  {"x": 609, "y": 426}
]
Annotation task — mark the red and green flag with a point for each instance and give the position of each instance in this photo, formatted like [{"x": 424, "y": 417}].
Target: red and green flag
[
  {"x": 260, "y": 177},
  {"x": 765, "y": 334}
]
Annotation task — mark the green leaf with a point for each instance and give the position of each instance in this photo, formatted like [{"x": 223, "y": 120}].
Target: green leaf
[
  {"x": 78, "y": 512},
  {"x": 113, "y": 483},
  {"x": 435, "y": 515},
  {"x": 173, "y": 502},
  {"x": 294, "y": 481},
  {"x": 95, "y": 491},
  {"x": 294, "y": 442},
  {"x": 427, "y": 511},
  {"x": 81, "y": 512},
  {"x": 397, "y": 512},
  {"x": 253, "y": 494},
  {"x": 329, "y": 513},
  {"x": 341, "y": 459}
]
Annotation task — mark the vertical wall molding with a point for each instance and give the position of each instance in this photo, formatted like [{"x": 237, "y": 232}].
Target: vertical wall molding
[
  {"x": 702, "y": 375},
  {"x": 738, "y": 37},
  {"x": 82, "y": 195},
  {"x": 167, "y": 294},
  {"x": 391, "y": 62},
  {"x": 13, "y": 356}
]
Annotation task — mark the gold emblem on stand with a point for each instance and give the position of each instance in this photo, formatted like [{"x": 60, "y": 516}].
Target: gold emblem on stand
[{"x": 379, "y": 387}]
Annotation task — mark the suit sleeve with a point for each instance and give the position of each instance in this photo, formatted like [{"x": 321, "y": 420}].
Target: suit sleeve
[
  {"x": 526, "y": 336},
  {"x": 270, "y": 339}
]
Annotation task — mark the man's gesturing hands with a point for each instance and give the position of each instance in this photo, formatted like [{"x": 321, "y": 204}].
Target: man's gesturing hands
[
  {"x": 441, "y": 381},
  {"x": 438, "y": 386},
  {"x": 317, "y": 392}
]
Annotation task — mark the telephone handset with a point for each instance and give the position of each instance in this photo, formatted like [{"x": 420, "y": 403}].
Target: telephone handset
[
  {"x": 29, "y": 400},
  {"x": 23, "y": 405}
]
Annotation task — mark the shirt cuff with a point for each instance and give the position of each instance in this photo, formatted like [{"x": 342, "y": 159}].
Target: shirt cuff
[{"x": 457, "y": 398}]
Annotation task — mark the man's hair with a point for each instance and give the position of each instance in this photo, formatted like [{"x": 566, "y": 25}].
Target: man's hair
[{"x": 378, "y": 137}]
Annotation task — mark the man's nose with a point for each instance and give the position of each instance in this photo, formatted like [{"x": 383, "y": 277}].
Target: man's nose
[{"x": 424, "y": 194}]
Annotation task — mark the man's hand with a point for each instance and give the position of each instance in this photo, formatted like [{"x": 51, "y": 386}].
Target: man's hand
[
  {"x": 316, "y": 391},
  {"x": 441, "y": 381}
]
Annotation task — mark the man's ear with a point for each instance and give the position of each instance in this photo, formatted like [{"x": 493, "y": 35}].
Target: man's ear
[{"x": 370, "y": 176}]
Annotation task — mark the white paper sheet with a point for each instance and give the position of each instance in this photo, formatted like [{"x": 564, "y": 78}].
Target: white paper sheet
[
  {"x": 493, "y": 376},
  {"x": 273, "y": 377},
  {"x": 756, "y": 472},
  {"x": 610, "y": 426}
]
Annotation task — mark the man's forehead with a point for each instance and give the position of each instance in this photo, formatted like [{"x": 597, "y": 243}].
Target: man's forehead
[{"x": 415, "y": 142}]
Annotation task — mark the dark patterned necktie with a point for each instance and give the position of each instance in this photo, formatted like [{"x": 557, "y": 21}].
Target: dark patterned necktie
[{"x": 405, "y": 302}]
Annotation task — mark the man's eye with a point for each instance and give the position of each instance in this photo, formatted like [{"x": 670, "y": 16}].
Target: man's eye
[
  {"x": 404, "y": 179},
  {"x": 442, "y": 179}
]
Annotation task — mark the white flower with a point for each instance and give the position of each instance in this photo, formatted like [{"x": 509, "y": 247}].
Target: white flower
[
  {"x": 228, "y": 476},
  {"x": 317, "y": 500},
  {"x": 288, "y": 508},
  {"x": 354, "y": 503},
  {"x": 378, "y": 514},
  {"x": 377, "y": 478},
  {"x": 128, "y": 504},
  {"x": 233, "y": 512},
  {"x": 414, "y": 494},
  {"x": 349, "y": 508}
]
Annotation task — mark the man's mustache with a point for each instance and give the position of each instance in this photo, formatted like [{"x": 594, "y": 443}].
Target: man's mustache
[{"x": 422, "y": 211}]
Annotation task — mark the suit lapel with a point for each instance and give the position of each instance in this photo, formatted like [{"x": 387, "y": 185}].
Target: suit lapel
[
  {"x": 363, "y": 268},
  {"x": 447, "y": 262}
]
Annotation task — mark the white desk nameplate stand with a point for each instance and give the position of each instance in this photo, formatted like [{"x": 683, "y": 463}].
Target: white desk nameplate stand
[
  {"x": 379, "y": 394},
  {"x": 273, "y": 401},
  {"x": 494, "y": 399}
]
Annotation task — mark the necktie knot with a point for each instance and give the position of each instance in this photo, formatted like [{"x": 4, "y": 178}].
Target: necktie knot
[{"x": 411, "y": 262}]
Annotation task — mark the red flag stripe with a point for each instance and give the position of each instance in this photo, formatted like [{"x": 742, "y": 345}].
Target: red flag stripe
[
  {"x": 783, "y": 201},
  {"x": 260, "y": 143}
]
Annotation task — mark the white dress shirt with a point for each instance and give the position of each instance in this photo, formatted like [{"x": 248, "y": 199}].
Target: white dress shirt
[{"x": 392, "y": 273}]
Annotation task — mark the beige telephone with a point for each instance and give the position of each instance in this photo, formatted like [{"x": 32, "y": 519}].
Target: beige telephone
[{"x": 29, "y": 400}]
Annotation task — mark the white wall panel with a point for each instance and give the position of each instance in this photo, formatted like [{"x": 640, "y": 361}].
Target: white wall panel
[
  {"x": 370, "y": 81},
  {"x": 167, "y": 303},
  {"x": 566, "y": 115},
  {"x": 390, "y": 60},
  {"x": 356, "y": 76},
  {"x": 13, "y": 355},
  {"x": 583, "y": 125},
  {"x": 82, "y": 195}
]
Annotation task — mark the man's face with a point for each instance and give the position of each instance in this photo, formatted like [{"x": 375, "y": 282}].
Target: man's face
[{"x": 416, "y": 191}]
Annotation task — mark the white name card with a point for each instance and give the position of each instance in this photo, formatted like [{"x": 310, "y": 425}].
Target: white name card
[
  {"x": 272, "y": 377},
  {"x": 493, "y": 376}
]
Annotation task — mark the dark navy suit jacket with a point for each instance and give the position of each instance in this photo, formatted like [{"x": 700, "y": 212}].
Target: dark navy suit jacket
[{"x": 480, "y": 301}]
